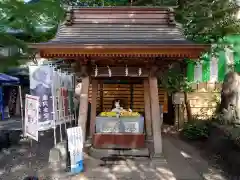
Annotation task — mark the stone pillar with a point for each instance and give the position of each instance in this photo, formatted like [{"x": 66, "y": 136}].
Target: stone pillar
[
  {"x": 156, "y": 118},
  {"x": 93, "y": 106},
  {"x": 83, "y": 109},
  {"x": 147, "y": 108}
]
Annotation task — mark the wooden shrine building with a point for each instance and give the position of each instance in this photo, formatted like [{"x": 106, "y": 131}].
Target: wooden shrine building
[{"x": 113, "y": 39}]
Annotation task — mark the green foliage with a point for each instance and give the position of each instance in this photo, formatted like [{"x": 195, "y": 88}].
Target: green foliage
[
  {"x": 204, "y": 21},
  {"x": 18, "y": 15},
  {"x": 155, "y": 3},
  {"x": 196, "y": 130},
  {"x": 209, "y": 21},
  {"x": 95, "y": 3},
  {"x": 173, "y": 80},
  {"x": 25, "y": 19}
]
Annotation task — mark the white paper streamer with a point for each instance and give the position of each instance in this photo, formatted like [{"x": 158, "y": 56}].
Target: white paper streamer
[
  {"x": 229, "y": 59},
  {"x": 126, "y": 71},
  {"x": 139, "y": 71},
  {"x": 213, "y": 69},
  {"x": 96, "y": 71},
  {"x": 198, "y": 72},
  {"x": 109, "y": 71}
]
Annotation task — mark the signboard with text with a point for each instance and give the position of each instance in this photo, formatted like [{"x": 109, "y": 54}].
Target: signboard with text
[
  {"x": 75, "y": 148},
  {"x": 31, "y": 116},
  {"x": 41, "y": 86}
]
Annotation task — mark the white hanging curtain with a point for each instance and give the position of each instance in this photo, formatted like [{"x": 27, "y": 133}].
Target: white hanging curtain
[
  {"x": 198, "y": 72},
  {"x": 229, "y": 59},
  {"x": 213, "y": 69}
]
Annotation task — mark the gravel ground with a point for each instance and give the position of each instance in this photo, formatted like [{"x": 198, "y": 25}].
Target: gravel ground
[{"x": 23, "y": 159}]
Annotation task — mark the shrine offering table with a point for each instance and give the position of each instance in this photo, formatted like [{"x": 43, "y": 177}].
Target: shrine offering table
[{"x": 119, "y": 133}]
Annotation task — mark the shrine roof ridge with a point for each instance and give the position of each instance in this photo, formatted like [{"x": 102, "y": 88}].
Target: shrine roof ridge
[{"x": 120, "y": 28}]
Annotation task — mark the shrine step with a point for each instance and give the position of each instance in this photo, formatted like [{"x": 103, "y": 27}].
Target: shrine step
[
  {"x": 144, "y": 152},
  {"x": 101, "y": 153}
]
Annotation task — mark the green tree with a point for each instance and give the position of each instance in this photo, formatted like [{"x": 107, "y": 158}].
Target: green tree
[
  {"x": 21, "y": 23},
  {"x": 94, "y": 3}
]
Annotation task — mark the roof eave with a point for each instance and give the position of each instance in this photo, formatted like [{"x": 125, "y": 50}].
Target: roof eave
[{"x": 42, "y": 46}]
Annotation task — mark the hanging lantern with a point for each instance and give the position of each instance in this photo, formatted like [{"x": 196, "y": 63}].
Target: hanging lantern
[
  {"x": 126, "y": 71},
  {"x": 96, "y": 71},
  {"x": 139, "y": 71},
  {"x": 109, "y": 71}
]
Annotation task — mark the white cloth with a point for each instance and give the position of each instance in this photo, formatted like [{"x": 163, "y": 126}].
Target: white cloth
[
  {"x": 198, "y": 72},
  {"x": 213, "y": 69}
]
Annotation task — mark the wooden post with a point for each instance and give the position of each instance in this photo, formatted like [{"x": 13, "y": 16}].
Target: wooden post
[
  {"x": 156, "y": 118},
  {"x": 93, "y": 106},
  {"x": 83, "y": 109},
  {"x": 147, "y": 108},
  {"x": 101, "y": 96}
]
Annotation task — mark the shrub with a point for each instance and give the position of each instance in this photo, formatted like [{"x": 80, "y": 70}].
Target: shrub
[{"x": 196, "y": 130}]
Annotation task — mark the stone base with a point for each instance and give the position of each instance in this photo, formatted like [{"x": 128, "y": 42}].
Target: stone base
[
  {"x": 157, "y": 156},
  {"x": 58, "y": 153},
  {"x": 144, "y": 152},
  {"x": 100, "y": 153},
  {"x": 54, "y": 155}
]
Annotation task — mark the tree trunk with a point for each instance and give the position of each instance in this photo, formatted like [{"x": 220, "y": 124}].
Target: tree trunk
[{"x": 230, "y": 100}]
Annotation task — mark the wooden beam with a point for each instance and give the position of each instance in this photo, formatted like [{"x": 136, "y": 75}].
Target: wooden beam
[
  {"x": 155, "y": 115},
  {"x": 147, "y": 108},
  {"x": 162, "y": 50},
  {"x": 120, "y": 71},
  {"x": 93, "y": 106},
  {"x": 83, "y": 109}
]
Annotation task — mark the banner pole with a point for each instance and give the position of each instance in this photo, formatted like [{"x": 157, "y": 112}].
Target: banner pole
[
  {"x": 70, "y": 100},
  {"x": 64, "y": 100},
  {"x": 53, "y": 104},
  {"x": 75, "y": 107},
  {"x": 60, "y": 103},
  {"x": 21, "y": 107}
]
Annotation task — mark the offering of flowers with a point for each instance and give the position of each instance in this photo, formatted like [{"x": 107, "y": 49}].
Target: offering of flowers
[
  {"x": 122, "y": 114},
  {"x": 108, "y": 114},
  {"x": 118, "y": 111},
  {"x": 129, "y": 114}
]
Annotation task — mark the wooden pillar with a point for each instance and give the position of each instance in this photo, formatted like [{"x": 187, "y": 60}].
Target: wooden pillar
[
  {"x": 93, "y": 106},
  {"x": 147, "y": 108},
  {"x": 101, "y": 95},
  {"x": 83, "y": 109},
  {"x": 156, "y": 117}
]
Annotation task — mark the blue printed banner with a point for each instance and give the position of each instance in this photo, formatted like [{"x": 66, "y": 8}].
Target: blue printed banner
[{"x": 41, "y": 85}]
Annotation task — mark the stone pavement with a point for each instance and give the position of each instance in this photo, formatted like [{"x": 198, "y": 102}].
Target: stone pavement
[
  {"x": 21, "y": 161},
  {"x": 186, "y": 162}
]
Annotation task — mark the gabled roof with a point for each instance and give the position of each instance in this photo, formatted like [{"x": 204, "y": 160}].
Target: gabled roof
[{"x": 119, "y": 27}]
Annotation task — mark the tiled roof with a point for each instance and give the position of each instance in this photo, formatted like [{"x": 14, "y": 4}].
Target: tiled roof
[{"x": 119, "y": 25}]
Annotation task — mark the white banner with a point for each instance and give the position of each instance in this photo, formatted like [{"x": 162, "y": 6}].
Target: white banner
[
  {"x": 213, "y": 69},
  {"x": 75, "y": 147},
  {"x": 31, "y": 116},
  {"x": 198, "y": 72},
  {"x": 41, "y": 86},
  {"x": 53, "y": 87},
  {"x": 229, "y": 59},
  {"x": 75, "y": 138}
]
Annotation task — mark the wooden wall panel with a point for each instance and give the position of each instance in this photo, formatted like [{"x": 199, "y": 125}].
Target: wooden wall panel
[
  {"x": 123, "y": 92},
  {"x": 98, "y": 96},
  {"x": 116, "y": 91}
]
